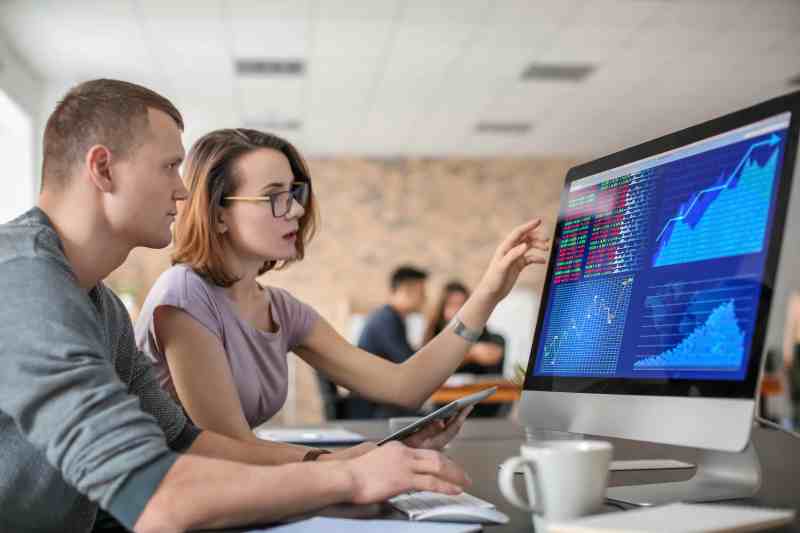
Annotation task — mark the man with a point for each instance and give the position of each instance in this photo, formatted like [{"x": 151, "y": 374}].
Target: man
[
  {"x": 385, "y": 334},
  {"x": 82, "y": 421}
]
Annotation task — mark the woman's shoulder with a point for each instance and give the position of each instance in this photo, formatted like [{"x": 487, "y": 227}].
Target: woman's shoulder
[
  {"x": 182, "y": 281},
  {"x": 286, "y": 302},
  {"x": 280, "y": 296},
  {"x": 182, "y": 274}
]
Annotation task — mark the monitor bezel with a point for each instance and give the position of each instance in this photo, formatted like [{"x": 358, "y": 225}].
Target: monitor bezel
[{"x": 667, "y": 386}]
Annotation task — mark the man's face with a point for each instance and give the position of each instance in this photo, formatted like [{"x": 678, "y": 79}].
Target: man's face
[
  {"x": 147, "y": 184},
  {"x": 414, "y": 295}
]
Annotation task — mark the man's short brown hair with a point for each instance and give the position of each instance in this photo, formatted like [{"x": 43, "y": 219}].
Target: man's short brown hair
[{"x": 108, "y": 112}]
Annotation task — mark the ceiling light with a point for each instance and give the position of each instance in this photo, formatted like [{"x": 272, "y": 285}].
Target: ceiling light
[
  {"x": 274, "y": 125},
  {"x": 569, "y": 72},
  {"x": 504, "y": 128},
  {"x": 270, "y": 67}
]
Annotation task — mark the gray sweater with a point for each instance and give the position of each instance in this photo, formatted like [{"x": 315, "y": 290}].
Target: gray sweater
[{"x": 83, "y": 421}]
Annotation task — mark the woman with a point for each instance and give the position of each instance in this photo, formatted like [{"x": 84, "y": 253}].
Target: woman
[
  {"x": 219, "y": 339},
  {"x": 483, "y": 357}
]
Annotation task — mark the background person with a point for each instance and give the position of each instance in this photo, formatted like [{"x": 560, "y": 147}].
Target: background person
[
  {"x": 385, "y": 335},
  {"x": 483, "y": 357}
]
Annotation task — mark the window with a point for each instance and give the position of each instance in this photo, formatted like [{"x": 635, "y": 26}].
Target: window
[{"x": 17, "y": 179}]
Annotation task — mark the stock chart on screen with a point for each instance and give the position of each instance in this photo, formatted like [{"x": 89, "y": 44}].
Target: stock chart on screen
[{"x": 658, "y": 263}]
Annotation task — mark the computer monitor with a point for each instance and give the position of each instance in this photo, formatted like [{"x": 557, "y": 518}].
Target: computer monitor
[{"x": 658, "y": 293}]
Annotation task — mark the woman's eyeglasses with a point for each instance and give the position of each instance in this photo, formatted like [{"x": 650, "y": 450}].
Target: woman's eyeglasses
[{"x": 281, "y": 202}]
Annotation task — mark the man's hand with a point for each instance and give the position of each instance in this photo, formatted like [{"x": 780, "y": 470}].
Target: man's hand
[{"x": 395, "y": 468}]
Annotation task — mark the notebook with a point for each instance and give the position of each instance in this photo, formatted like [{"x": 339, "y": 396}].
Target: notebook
[
  {"x": 347, "y": 525},
  {"x": 680, "y": 518}
]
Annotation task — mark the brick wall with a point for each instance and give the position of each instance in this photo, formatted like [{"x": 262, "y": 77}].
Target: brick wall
[{"x": 445, "y": 215}]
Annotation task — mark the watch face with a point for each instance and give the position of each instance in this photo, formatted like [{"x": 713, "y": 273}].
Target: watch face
[{"x": 461, "y": 330}]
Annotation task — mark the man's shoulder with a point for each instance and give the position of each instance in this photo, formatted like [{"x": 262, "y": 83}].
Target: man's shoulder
[
  {"x": 381, "y": 315},
  {"x": 30, "y": 236}
]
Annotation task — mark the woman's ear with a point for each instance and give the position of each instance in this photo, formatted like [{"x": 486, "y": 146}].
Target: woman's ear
[{"x": 221, "y": 226}]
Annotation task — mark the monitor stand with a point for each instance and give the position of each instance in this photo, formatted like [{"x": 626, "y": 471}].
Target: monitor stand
[{"x": 719, "y": 476}]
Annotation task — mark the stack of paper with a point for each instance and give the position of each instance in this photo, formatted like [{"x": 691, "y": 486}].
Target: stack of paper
[{"x": 680, "y": 518}]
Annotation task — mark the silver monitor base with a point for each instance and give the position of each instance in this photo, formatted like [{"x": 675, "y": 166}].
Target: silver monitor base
[{"x": 719, "y": 476}]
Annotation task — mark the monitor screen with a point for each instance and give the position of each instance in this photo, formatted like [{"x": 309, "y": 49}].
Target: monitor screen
[{"x": 658, "y": 264}]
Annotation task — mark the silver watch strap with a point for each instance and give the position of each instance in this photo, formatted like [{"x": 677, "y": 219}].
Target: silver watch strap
[{"x": 469, "y": 335}]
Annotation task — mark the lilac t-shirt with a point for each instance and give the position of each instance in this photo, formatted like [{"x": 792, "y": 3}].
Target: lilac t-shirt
[{"x": 257, "y": 358}]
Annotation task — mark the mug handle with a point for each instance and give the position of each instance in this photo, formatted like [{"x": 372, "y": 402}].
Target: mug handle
[{"x": 506, "y": 482}]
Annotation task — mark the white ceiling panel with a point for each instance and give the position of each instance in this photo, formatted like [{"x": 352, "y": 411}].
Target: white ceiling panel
[
  {"x": 81, "y": 42},
  {"x": 269, "y": 38},
  {"x": 445, "y": 12},
  {"x": 708, "y": 15},
  {"x": 283, "y": 10},
  {"x": 528, "y": 101},
  {"x": 653, "y": 43},
  {"x": 618, "y": 15},
  {"x": 274, "y": 29},
  {"x": 528, "y": 13},
  {"x": 271, "y": 100},
  {"x": 339, "y": 74},
  {"x": 369, "y": 10},
  {"x": 188, "y": 42},
  {"x": 772, "y": 14},
  {"x": 350, "y": 40},
  {"x": 586, "y": 44}
]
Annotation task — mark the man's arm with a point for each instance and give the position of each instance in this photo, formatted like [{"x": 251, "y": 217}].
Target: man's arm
[
  {"x": 60, "y": 388},
  {"x": 136, "y": 371},
  {"x": 199, "y": 492}
]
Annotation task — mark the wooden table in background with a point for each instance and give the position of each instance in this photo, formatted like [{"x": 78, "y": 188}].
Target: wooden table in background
[{"x": 507, "y": 392}]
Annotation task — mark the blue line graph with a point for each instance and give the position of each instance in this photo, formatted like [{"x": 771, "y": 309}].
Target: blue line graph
[
  {"x": 697, "y": 325},
  {"x": 716, "y": 345},
  {"x": 726, "y": 219},
  {"x": 586, "y": 327}
]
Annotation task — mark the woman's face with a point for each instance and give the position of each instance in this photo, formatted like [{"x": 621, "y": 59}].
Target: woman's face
[
  {"x": 452, "y": 303},
  {"x": 252, "y": 230}
]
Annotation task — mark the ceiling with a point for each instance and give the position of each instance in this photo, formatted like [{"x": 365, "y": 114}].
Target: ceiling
[{"x": 416, "y": 77}]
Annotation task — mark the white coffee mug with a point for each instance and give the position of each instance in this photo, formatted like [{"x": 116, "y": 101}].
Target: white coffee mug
[{"x": 564, "y": 479}]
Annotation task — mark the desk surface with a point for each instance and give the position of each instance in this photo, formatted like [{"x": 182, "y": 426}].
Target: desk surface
[
  {"x": 483, "y": 444},
  {"x": 507, "y": 392}
]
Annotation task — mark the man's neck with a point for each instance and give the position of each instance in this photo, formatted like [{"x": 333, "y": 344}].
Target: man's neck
[
  {"x": 90, "y": 248},
  {"x": 399, "y": 308}
]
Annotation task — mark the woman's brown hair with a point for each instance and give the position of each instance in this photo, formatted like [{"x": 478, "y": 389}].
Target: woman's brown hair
[
  {"x": 436, "y": 322},
  {"x": 210, "y": 175}
]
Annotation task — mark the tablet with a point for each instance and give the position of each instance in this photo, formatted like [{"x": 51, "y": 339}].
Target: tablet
[{"x": 447, "y": 411}]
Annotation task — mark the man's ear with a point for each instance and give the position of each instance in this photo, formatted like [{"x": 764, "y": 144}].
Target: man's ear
[{"x": 98, "y": 164}]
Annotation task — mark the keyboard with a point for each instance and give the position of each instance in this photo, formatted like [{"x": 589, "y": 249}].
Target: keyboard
[{"x": 414, "y": 503}]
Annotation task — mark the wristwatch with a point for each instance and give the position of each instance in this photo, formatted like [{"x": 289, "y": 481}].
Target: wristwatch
[{"x": 469, "y": 335}]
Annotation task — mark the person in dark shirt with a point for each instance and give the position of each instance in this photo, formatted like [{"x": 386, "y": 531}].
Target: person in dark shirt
[
  {"x": 385, "y": 334},
  {"x": 484, "y": 357}
]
